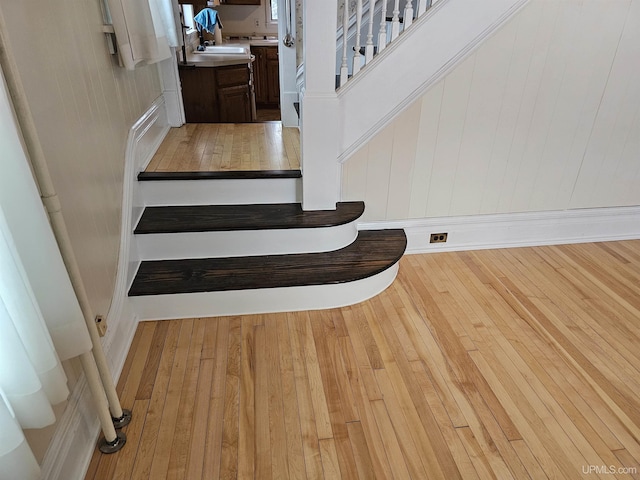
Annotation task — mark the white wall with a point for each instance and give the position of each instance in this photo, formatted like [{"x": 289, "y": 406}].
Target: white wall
[
  {"x": 83, "y": 105},
  {"x": 545, "y": 115},
  {"x": 242, "y": 19}
]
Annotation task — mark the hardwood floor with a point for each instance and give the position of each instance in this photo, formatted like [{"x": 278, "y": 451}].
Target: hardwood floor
[
  {"x": 228, "y": 146},
  {"x": 515, "y": 363}
]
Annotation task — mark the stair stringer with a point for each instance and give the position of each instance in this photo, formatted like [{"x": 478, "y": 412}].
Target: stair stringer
[{"x": 415, "y": 61}]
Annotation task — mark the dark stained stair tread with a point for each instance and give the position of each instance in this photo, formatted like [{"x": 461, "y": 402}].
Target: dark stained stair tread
[
  {"x": 371, "y": 253},
  {"x": 207, "y": 218},
  {"x": 227, "y": 175}
]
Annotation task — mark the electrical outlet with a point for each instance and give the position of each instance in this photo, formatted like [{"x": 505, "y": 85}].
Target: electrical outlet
[
  {"x": 257, "y": 22},
  {"x": 101, "y": 323},
  {"x": 438, "y": 238}
]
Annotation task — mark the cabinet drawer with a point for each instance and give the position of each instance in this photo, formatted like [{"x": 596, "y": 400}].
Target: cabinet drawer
[{"x": 233, "y": 76}]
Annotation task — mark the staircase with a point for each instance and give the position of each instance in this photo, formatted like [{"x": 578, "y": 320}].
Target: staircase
[
  {"x": 230, "y": 243},
  {"x": 236, "y": 242}
]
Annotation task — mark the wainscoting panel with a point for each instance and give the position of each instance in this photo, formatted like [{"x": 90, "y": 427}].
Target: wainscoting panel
[{"x": 543, "y": 116}]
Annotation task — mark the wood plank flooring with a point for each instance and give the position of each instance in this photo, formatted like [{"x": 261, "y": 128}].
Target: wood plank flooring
[
  {"x": 515, "y": 363},
  {"x": 228, "y": 146}
]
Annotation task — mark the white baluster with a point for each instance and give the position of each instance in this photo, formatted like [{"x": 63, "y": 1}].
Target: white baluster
[
  {"x": 395, "y": 21},
  {"x": 356, "y": 56},
  {"x": 382, "y": 33},
  {"x": 408, "y": 14},
  {"x": 368, "y": 51},
  {"x": 344, "y": 68},
  {"x": 423, "y": 6}
]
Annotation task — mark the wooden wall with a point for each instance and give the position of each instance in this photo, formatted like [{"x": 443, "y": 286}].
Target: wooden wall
[{"x": 545, "y": 115}]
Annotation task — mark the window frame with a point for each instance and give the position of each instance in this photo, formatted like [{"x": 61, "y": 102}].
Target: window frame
[{"x": 268, "y": 12}]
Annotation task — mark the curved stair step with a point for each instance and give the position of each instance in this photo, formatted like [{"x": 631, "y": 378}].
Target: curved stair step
[
  {"x": 207, "y": 218},
  {"x": 273, "y": 283},
  {"x": 202, "y": 231}
]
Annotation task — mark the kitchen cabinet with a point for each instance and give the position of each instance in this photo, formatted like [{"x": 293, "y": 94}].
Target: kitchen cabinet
[
  {"x": 266, "y": 76},
  {"x": 217, "y": 94}
]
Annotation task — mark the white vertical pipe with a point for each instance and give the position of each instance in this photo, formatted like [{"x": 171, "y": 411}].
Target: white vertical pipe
[
  {"x": 408, "y": 14},
  {"x": 52, "y": 204},
  {"x": 368, "y": 51},
  {"x": 344, "y": 68},
  {"x": 98, "y": 394},
  {"x": 357, "y": 60},
  {"x": 395, "y": 21},
  {"x": 382, "y": 33}
]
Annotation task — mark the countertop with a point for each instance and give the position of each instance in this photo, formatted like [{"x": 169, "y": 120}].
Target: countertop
[{"x": 212, "y": 60}]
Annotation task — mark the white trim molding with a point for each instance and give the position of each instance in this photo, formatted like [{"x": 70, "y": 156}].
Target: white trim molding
[
  {"x": 145, "y": 137},
  {"x": 478, "y": 232}
]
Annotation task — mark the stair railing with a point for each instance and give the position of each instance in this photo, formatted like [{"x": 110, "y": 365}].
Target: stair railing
[{"x": 389, "y": 26}]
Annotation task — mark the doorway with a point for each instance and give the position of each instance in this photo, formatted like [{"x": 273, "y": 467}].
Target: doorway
[{"x": 272, "y": 141}]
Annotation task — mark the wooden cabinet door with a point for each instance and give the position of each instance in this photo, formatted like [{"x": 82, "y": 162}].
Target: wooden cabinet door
[
  {"x": 235, "y": 104},
  {"x": 260, "y": 75},
  {"x": 266, "y": 75},
  {"x": 273, "y": 76},
  {"x": 199, "y": 95}
]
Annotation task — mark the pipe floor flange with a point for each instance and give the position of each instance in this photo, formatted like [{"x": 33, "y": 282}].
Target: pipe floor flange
[
  {"x": 112, "y": 447},
  {"x": 123, "y": 421}
]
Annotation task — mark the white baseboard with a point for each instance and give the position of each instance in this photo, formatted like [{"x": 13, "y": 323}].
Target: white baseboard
[
  {"x": 478, "y": 232},
  {"x": 77, "y": 430},
  {"x": 70, "y": 451}
]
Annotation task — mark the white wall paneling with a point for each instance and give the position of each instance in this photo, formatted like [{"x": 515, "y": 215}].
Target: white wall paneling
[
  {"x": 612, "y": 153},
  {"x": 82, "y": 104},
  {"x": 437, "y": 41},
  {"x": 543, "y": 116}
]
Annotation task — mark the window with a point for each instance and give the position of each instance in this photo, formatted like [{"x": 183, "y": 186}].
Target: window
[
  {"x": 274, "y": 10},
  {"x": 187, "y": 17}
]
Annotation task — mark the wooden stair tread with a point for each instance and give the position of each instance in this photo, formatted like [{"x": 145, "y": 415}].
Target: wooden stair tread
[
  {"x": 371, "y": 253},
  {"x": 226, "y": 175},
  {"x": 209, "y": 218}
]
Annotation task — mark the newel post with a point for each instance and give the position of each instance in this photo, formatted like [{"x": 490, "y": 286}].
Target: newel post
[{"x": 319, "y": 112}]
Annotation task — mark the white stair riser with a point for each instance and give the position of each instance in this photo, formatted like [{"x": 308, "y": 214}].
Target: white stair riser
[
  {"x": 220, "y": 192},
  {"x": 166, "y": 246},
  {"x": 265, "y": 300}
]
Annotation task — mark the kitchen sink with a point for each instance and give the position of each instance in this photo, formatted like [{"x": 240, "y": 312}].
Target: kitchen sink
[{"x": 224, "y": 50}]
